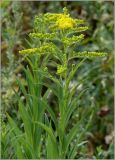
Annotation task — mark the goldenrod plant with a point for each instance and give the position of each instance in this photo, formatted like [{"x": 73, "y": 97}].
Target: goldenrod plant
[{"x": 43, "y": 132}]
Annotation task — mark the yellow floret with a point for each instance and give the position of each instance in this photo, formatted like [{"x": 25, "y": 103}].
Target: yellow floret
[
  {"x": 61, "y": 70},
  {"x": 65, "y": 22}
]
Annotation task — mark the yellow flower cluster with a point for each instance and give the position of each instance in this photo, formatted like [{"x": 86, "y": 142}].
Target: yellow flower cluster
[
  {"x": 46, "y": 48},
  {"x": 52, "y": 16},
  {"x": 51, "y": 23},
  {"x": 61, "y": 21},
  {"x": 61, "y": 70},
  {"x": 65, "y": 22},
  {"x": 42, "y": 35},
  {"x": 91, "y": 54},
  {"x": 80, "y": 29},
  {"x": 29, "y": 51},
  {"x": 73, "y": 39}
]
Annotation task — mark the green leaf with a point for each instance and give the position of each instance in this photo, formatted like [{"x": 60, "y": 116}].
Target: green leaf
[
  {"x": 27, "y": 121},
  {"x": 72, "y": 73},
  {"x": 14, "y": 126},
  {"x": 73, "y": 150},
  {"x": 48, "y": 130},
  {"x": 51, "y": 148},
  {"x": 52, "y": 114},
  {"x": 72, "y": 133},
  {"x": 51, "y": 139},
  {"x": 17, "y": 141},
  {"x": 73, "y": 106},
  {"x": 22, "y": 87}
]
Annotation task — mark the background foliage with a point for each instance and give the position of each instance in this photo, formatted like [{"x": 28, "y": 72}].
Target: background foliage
[{"x": 17, "y": 22}]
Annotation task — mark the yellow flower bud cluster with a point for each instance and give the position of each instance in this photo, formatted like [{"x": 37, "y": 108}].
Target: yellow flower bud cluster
[
  {"x": 61, "y": 70},
  {"x": 80, "y": 29},
  {"x": 45, "y": 69},
  {"x": 91, "y": 54},
  {"x": 43, "y": 35},
  {"x": 29, "y": 51},
  {"x": 73, "y": 39},
  {"x": 79, "y": 21},
  {"x": 52, "y": 16},
  {"x": 46, "y": 48}
]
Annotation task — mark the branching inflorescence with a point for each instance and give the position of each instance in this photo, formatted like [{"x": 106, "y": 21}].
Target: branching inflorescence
[{"x": 52, "y": 26}]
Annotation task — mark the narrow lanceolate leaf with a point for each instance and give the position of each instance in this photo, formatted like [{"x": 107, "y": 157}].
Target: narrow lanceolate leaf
[
  {"x": 26, "y": 120},
  {"x": 73, "y": 105},
  {"x": 14, "y": 126},
  {"x": 22, "y": 88},
  {"x": 48, "y": 130},
  {"x": 73, "y": 150},
  {"x": 17, "y": 137},
  {"x": 72, "y": 73},
  {"x": 72, "y": 133},
  {"x": 51, "y": 140},
  {"x": 52, "y": 114},
  {"x": 51, "y": 147}
]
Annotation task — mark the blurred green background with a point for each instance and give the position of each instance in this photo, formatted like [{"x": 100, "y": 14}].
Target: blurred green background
[{"x": 17, "y": 22}]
